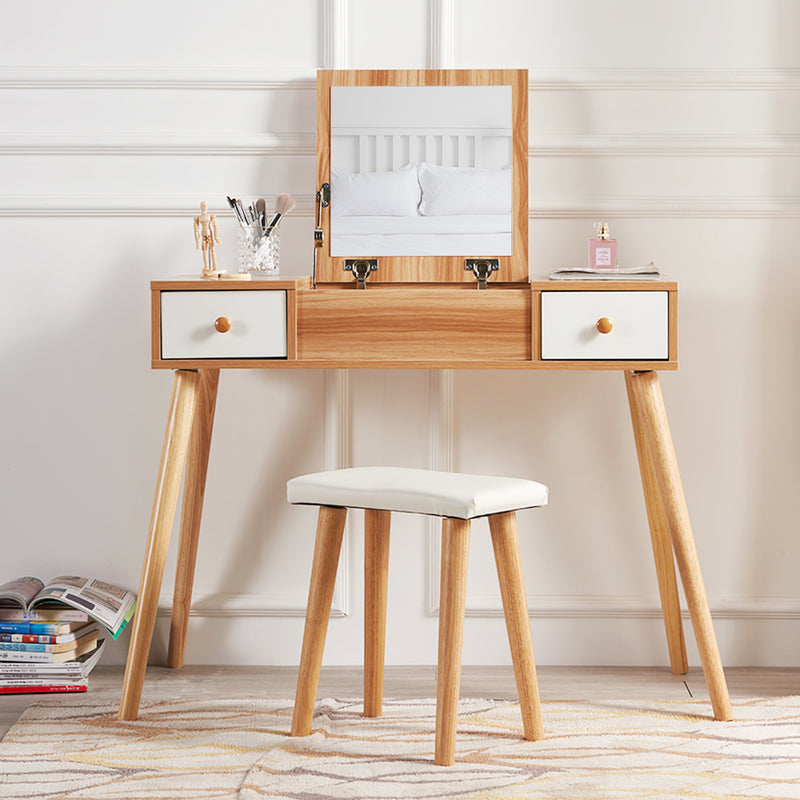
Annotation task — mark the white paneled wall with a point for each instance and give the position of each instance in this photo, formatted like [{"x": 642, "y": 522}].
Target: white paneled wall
[{"x": 678, "y": 124}]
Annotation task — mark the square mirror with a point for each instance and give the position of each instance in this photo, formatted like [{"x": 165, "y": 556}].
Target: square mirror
[{"x": 426, "y": 169}]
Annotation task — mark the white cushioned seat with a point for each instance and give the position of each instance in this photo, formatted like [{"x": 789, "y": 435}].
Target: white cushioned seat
[{"x": 417, "y": 491}]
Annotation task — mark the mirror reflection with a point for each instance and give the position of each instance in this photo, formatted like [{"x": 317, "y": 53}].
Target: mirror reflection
[{"x": 421, "y": 171}]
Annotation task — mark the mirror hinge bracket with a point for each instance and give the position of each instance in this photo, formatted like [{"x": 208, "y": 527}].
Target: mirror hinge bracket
[
  {"x": 323, "y": 201},
  {"x": 482, "y": 268},
  {"x": 323, "y": 196},
  {"x": 361, "y": 269}
]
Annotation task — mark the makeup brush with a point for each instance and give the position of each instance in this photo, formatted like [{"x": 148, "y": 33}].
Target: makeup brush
[
  {"x": 283, "y": 205},
  {"x": 236, "y": 205},
  {"x": 261, "y": 212}
]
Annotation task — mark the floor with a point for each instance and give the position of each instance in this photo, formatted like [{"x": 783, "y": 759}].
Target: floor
[{"x": 555, "y": 683}]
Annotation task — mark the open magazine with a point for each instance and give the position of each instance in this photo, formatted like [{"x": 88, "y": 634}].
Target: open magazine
[
  {"x": 612, "y": 274},
  {"x": 109, "y": 605}
]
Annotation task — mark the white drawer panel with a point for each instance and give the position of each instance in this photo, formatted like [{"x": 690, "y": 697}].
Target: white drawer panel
[
  {"x": 640, "y": 325},
  {"x": 258, "y": 324}
]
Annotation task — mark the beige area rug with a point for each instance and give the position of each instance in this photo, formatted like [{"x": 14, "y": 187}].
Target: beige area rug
[{"x": 240, "y": 749}]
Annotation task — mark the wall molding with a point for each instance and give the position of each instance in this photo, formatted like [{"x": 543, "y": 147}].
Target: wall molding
[
  {"x": 126, "y": 205},
  {"x": 149, "y": 143},
  {"x": 677, "y": 145},
  {"x": 337, "y": 456},
  {"x": 664, "y": 80},
  {"x": 301, "y": 143},
  {"x": 650, "y": 207},
  {"x": 441, "y": 456},
  {"x": 230, "y": 605},
  {"x": 338, "y": 409},
  {"x": 334, "y": 36},
  {"x": 670, "y": 207},
  {"x": 441, "y": 34},
  {"x": 199, "y": 76},
  {"x": 334, "y": 56}
]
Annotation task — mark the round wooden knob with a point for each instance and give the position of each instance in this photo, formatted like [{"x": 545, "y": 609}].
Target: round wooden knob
[
  {"x": 223, "y": 324},
  {"x": 604, "y": 325}
]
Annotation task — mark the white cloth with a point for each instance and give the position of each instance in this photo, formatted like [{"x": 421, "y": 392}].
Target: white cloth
[{"x": 418, "y": 491}]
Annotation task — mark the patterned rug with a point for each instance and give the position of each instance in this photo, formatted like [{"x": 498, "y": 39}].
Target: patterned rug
[{"x": 240, "y": 749}]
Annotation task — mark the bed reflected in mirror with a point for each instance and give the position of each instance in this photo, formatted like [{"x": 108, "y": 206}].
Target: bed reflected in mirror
[
  {"x": 426, "y": 171},
  {"x": 421, "y": 171}
]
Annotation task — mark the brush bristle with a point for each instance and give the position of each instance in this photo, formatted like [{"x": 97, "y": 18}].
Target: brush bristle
[{"x": 284, "y": 203}]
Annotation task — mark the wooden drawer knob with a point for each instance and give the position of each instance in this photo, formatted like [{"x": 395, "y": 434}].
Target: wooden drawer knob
[
  {"x": 604, "y": 325},
  {"x": 223, "y": 324}
]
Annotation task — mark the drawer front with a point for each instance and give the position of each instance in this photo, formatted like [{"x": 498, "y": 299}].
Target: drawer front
[
  {"x": 257, "y": 324},
  {"x": 414, "y": 324},
  {"x": 640, "y": 325}
]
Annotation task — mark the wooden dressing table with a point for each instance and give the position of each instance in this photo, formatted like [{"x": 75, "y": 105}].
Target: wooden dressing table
[
  {"x": 553, "y": 325},
  {"x": 417, "y": 313}
]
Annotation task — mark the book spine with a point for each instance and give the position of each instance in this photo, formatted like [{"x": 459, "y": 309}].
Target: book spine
[
  {"x": 30, "y": 638},
  {"x": 43, "y": 615},
  {"x": 30, "y": 674},
  {"x": 26, "y": 647},
  {"x": 32, "y": 628},
  {"x": 34, "y": 689},
  {"x": 17, "y": 655}
]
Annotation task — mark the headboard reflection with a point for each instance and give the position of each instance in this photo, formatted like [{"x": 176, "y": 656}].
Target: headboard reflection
[{"x": 426, "y": 168}]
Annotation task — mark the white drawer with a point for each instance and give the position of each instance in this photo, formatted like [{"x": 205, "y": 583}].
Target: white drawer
[
  {"x": 257, "y": 324},
  {"x": 640, "y": 325}
]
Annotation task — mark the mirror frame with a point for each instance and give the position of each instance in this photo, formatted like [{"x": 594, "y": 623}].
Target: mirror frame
[{"x": 429, "y": 269}]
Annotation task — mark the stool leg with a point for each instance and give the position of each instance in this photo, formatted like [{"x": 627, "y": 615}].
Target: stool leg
[
  {"x": 191, "y": 514},
  {"x": 170, "y": 471},
  {"x": 376, "y": 582},
  {"x": 659, "y": 538},
  {"x": 505, "y": 541},
  {"x": 647, "y": 392},
  {"x": 330, "y": 529},
  {"x": 452, "y": 601}
]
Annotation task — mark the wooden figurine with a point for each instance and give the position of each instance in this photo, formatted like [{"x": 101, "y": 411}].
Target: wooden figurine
[{"x": 205, "y": 234}]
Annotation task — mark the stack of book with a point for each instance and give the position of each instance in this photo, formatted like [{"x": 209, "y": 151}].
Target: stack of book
[{"x": 52, "y": 636}]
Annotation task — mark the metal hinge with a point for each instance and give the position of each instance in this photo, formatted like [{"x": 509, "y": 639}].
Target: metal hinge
[
  {"x": 361, "y": 269},
  {"x": 482, "y": 268}
]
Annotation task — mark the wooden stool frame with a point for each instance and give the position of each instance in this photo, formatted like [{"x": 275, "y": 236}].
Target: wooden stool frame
[{"x": 455, "y": 554}]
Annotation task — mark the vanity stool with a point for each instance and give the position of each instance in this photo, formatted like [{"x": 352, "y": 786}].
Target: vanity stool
[{"x": 457, "y": 498}]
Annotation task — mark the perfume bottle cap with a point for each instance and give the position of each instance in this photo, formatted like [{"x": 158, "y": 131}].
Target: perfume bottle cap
[{"x": 602, "y": 230}]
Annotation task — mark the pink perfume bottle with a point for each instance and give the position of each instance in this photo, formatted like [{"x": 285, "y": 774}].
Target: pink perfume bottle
[{"x": 602, "y": 249}]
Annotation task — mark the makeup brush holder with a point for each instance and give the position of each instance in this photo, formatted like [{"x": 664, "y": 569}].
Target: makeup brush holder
[{"x": 259, "y": 252}]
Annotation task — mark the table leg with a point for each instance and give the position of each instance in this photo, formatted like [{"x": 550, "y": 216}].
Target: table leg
[
  {"x": 648, "y": 399},
  {"x": 170, "y": 471},
  {"x": 191, "y": 513},
  {"x": 660, "y": 540}
]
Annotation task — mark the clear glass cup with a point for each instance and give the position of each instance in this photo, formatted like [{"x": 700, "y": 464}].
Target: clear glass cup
[{"x": 259, "y": 252}]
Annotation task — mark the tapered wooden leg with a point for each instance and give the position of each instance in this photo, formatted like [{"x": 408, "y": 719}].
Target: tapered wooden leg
[
  {"x": 452, "y": 601},
  {"x": 648, "y": 398},
  {"x": 330, "y": 529},
  {"x": 660, "y": 539},
  {"x": 376, "y": 583},
  {"x": 191, "y": 513},
  {"x": 505, "y": 541},
  {"x": 173, "y": 456}
]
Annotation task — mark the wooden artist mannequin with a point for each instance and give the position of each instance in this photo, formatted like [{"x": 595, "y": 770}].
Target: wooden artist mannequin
[{"x": 205, "y": 234}]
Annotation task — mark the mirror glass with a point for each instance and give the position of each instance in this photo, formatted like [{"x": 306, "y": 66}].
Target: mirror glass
[{"x": 421, "y": 171}]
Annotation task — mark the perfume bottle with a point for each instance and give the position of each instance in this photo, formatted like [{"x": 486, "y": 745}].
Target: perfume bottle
[{"x": 602, "y": 249}]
